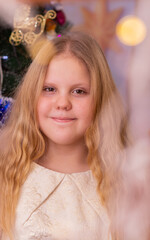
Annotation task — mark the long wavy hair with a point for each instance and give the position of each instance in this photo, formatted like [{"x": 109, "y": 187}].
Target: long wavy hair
[{"x": 21, "y": 141}]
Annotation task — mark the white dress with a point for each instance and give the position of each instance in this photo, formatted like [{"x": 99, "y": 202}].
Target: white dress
[{"x": 59, "y": 206}]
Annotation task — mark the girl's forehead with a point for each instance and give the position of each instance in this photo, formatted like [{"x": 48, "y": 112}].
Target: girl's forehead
[
  {"x": 66, "y": 57},
  {"x": 67, "y": 67}
]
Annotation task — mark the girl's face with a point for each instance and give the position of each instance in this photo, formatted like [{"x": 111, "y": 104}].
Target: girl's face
[{"x": 65, "y": 105}]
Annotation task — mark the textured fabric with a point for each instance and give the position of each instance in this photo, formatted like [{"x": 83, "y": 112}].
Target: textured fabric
[{"x": 58, "y": 206}]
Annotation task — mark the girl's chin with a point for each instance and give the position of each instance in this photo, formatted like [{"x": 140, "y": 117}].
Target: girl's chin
[{"x": 65, "y": 141}]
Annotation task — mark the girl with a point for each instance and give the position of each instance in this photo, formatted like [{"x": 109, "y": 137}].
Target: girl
[{"x": 59, "y": 150}]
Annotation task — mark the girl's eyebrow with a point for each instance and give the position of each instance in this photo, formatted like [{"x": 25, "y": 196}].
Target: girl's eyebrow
[{"x": 80, "y": 84}]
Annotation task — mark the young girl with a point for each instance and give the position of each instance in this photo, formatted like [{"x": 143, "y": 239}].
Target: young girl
[{"x": 59, "y": 150}]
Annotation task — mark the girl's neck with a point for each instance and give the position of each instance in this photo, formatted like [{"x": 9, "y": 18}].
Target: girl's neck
[{"x": 65, "y": 158}]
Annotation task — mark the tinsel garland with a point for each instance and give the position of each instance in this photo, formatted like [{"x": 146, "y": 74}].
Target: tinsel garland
[{"x": 5, "y": 108}]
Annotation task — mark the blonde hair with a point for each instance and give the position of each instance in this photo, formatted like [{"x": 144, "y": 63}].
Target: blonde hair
[{"x": 21, "y": 141}]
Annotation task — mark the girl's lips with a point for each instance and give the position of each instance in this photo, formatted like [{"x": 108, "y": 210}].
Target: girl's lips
[{"x": 63, "y": 120}]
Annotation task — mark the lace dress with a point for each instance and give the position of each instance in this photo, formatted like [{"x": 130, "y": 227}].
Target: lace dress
[{"x": 59, "y": 206}]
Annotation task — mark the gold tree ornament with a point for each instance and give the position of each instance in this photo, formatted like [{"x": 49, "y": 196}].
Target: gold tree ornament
[
  {"x": 25, "y": 26},
  {"x": 101, "y": 24},
  {"x": 16, "y": 37}
]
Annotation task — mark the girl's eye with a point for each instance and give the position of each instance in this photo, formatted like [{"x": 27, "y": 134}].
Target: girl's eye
[
  {"x": 79, "y": 91},
  {"x": 49, "y": 89}
]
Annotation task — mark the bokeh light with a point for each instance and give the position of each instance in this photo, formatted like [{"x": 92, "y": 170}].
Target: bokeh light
[{"x": 131, "y": 30}]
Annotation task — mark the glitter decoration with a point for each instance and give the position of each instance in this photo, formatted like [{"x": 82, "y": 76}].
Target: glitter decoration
[
  {"x": 5, "y": 109},
  {"x": 5, "y": 102}
]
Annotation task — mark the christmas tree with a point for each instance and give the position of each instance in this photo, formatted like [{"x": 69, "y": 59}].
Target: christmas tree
[{"x": 14, "y": 57}]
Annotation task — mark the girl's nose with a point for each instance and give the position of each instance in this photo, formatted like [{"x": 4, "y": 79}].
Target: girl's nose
[{"x": 63, "y": 103}]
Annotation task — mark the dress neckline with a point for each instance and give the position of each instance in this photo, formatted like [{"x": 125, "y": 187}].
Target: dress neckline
[{"x": 61, "y": 173}]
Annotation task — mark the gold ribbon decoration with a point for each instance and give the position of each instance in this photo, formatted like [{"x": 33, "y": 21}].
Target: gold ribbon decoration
[{"x": 27, "y": 29}]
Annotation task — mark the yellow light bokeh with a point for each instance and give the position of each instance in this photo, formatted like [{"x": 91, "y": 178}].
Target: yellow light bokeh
[{"x": 131, "y": 30}]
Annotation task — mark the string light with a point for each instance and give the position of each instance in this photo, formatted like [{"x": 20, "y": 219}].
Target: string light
[
  {"x": 4, "y": 57},
  {"x": 131, "y": 30}
]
